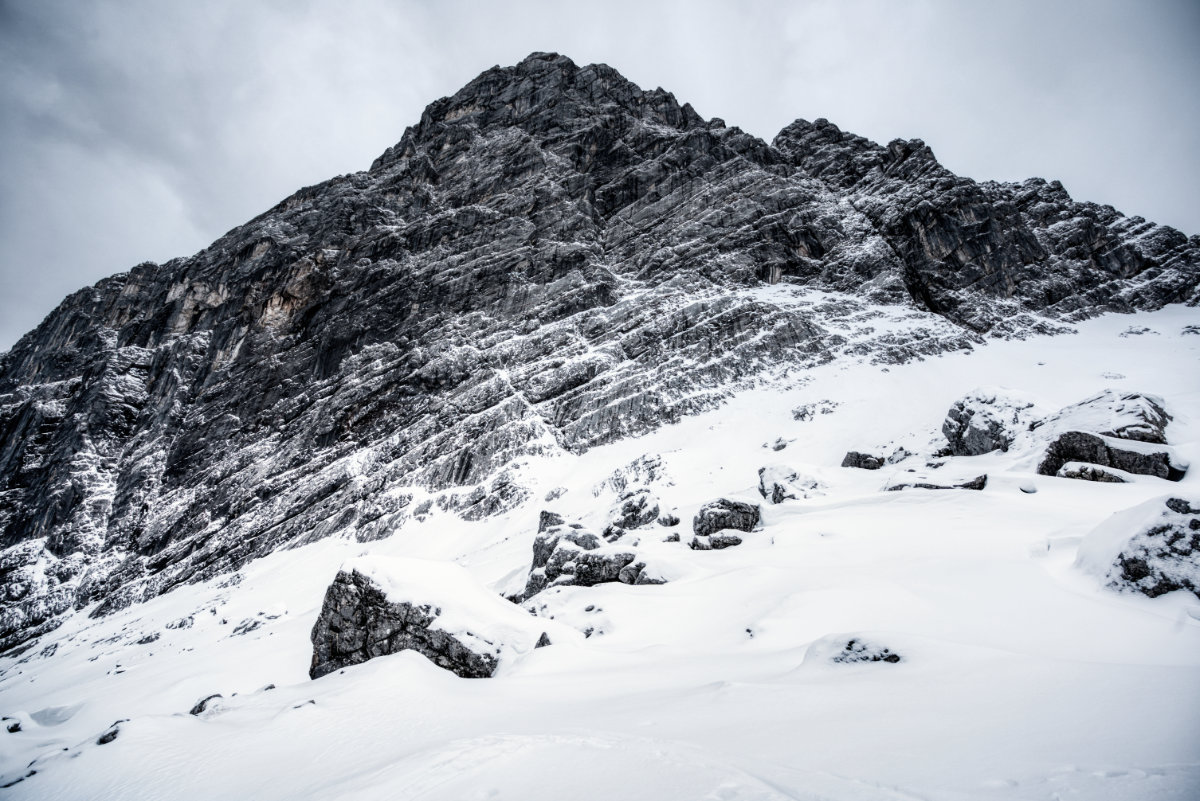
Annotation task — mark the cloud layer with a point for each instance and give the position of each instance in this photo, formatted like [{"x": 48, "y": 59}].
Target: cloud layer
[{"x": 143, "y": 130}]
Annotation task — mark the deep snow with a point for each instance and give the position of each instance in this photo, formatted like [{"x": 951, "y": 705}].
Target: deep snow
[{"x": 1022, "y": 675}]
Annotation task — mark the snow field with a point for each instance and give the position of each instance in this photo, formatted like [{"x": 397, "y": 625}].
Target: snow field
[{"x": 1021, "y": 677}]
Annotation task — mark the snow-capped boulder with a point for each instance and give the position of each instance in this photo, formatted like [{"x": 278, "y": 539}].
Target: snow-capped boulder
[
  {"x": 846, "y": 649},
  {"x": 377, "y": 606},
  {"x": 725, "y": 513},
  {"x": 636, "y": 508},
  {"x": 569, "y": 554},
  {"x": 986, "y": 419},
  {"x": 921, "y": 481},
  {"x": 1119, "y": 431},
  {"x": 725, "y": 538},
  {"x": 1124, "y": 415},
  {"x": 863, "y": 461},
  {"x": 1132, "y": 456},
  {"x": 718, "y": 522},
  {"x": 1091, "y": 472},
  {"x": 778, "y": 483},
  {"x": 1153, "y": 548},
  {"x": 855, "y": 651}
]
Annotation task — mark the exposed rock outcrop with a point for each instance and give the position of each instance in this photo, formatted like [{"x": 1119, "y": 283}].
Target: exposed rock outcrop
[
  {"x": 987, "y": 419},
  {"x": 716, "y": 524},
  {"x": 1091, "y": 472},
  {"x": 863, "y": 461},
  {"x": 778, "y": 483},
  {"x": 1131, "y": 456},
  {"x": 571, "y": 555},
  {"x": 908, "y": 481},
  {"x": 1153, "y": 548},
  {"x": 376, "y": 607}
]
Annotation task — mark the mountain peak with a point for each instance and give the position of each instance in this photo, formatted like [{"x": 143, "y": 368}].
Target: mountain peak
[{"x": 544, "y": 94}]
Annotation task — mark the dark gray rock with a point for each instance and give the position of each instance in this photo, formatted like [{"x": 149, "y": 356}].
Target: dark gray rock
[
  {"x": 977, "y": 483},
  {"x": 1081, "y": 446},
  {"x": 570, "y": 555},
  {"x": 358, "y": 622},
  {"x": 202, "y": 704},
  {"x": 1090, "y": 472},
  {"x": 863, "y": 461},
  {"x": 550, "y": 258},
  {"x": 858, "y": 651},
  {"x": 636, "y": 509},
  {"x": 725, "y": 513},
  {"x": 548, "y": 520},
  {"x": 715, "y": 541},
  {"x": 111, "y": 733},
  {"x": 1165, "y": 556},
  {"x": 986, "y": 420}
]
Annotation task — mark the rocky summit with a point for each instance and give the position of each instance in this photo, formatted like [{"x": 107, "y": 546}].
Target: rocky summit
[{"x": 551, "y": 259}]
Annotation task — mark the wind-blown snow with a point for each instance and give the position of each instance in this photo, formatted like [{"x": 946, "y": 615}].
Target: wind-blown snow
[{"x": 1021, "y": 676}]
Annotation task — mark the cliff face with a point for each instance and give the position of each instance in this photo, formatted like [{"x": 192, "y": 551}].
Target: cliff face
[{"x": 551, "y": 259}]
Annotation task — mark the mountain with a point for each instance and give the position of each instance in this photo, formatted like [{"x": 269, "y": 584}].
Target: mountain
[
  {"x": 583, "y": 448},
  {"x": 550, "y": 260}
]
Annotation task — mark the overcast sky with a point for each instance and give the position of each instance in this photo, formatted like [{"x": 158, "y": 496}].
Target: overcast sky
[{"x": 134, "y": 131}]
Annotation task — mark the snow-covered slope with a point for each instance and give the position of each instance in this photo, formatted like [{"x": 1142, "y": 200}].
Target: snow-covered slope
[{"x": 1020, "y": 675}]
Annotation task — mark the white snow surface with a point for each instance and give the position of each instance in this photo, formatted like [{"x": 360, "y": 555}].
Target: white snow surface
[{"x": 1022, "y": 676}]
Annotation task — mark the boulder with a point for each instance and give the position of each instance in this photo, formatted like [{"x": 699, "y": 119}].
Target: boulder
[
  {"x": 923, "y": 482},
  {"x": 777, "y": 483},
  {"x": 1152, "y": 549},
  {"x": 1123, "y": 415},
  {"x": 201, "y": 705},
  {"x": 635, "y": 509},
  {"x": 856, "y": 651},
  {"x": 986, "y": 419},
  {"x": 725, "y": 513},
  {"x": 1091, "y": 472},
  {"x": 377, "y": 606},
  {"x": 1132, "y": 456},
  {"x": 715, "y": 541},
  {"x": 863, "y": 461},
  {"x": 848, "y": 649},
  {"x": 549, "y": 520},
  {"x": 569, "y": 554}
]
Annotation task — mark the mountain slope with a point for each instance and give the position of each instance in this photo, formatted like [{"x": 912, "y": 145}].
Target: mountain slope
[
  {"x": 550, "y": 260},
  {"x": 1021, "y": 676}
]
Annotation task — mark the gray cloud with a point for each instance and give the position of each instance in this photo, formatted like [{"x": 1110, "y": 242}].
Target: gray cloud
[{"x": 144, "y": 130}]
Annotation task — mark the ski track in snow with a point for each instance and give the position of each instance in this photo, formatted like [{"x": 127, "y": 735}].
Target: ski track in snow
[{"x": 1022, "y": 676}]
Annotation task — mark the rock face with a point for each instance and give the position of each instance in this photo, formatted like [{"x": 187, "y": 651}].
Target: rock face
[
  {"x": 551, "y": 258},
  {"x": 362, "y": 617}
]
